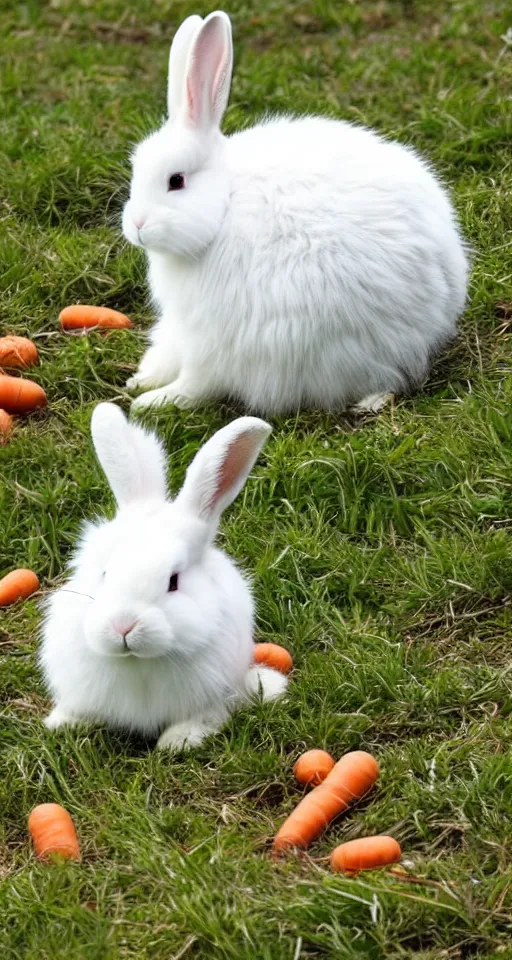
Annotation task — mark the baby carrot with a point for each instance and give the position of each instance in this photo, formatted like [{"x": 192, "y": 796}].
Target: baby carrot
[
  {"x": 17, "y": 585},
  {"x": 272, "y": 655},
  {"x": 312, "y": 767},
  {"x": 369, "y": 853},
  {"x": 6, "y": 425},
  {"x": 53, "y": 832},
  {"x": 348, "y": 780},
  {"x": 17, "y": 352},
  {"x": 81, "y": 316},
  {"x": 20, "y": 396}
]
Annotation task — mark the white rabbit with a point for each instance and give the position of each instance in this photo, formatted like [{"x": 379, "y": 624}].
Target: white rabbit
[
  {"x": 154, "y": 630},
  {"x": 299, "y": 262}
]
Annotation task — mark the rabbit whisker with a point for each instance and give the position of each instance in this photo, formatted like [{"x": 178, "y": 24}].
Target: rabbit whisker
[{"x": 78, "y": 594}]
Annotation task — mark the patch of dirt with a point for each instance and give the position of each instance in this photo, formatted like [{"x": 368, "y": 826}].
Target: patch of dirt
[
  {"x": 269, "y": 795},
  {"x": 503, "y": 310},
  {"x": 381, "y": 17},
  {"x": 7, "y": 859},
  {"x": 307, "y": 23},
  {"x": 104, "y": 30},
  {"x": 261, "y": 41},
  {"x": 458, "y": 622},
  {"x": 27, "y": 704}
]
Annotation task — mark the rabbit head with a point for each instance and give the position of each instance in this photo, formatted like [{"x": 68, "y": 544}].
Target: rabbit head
[
  {"x": 150, "y": 571},
  {"x": 180, "y": 184}
]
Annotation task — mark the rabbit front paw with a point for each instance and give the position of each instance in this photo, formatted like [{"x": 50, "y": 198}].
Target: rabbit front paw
[
  {"x": 184, "y": 736},
  {"x": 155, "y": 370},
  {"x": 59, "y": 717},
  {"x": 180, "y": 393},
  {"x": 373, "y": 403},
  {"x": 139, "y": 382}
]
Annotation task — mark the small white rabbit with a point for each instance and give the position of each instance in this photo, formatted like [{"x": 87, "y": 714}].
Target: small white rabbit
[
  {"x": 300, "y": 262},
  {"x": 154, "y": 630}
]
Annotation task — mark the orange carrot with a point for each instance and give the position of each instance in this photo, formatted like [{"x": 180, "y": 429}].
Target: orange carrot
[
  {"x": 312, "y": 767},
  {"x": 52, "y": 831},
  {"x": 369, "y": 853},
  {"x": 81, "y": 316},
  {"x": 20, "y": 396},
  {"x": 6, "y": 425},
  {"x": 17, "y": 352},
  {"x": 348, "y": 780},
  {"x": 272, "y": 655},
  {"x": 17, "y": 585}
]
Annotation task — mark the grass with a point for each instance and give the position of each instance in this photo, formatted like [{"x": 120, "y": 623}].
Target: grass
[{"x": 380, "y": 549}]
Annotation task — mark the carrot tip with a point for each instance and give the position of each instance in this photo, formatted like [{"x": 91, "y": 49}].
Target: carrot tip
[
  {"x": 6, "y": 426},
  {"x": 53, "y": 833},
  {"x": 367, "y": 853},
  {"x": 17, "y": 351},
  {"x": 80, "y": 317},
  {"x": 313, "y": 767},
  {"x": 17, "y": 585}
]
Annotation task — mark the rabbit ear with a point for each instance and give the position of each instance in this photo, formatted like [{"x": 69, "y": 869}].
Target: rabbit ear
[
  {"x": 208, "y": 72},
  {"x": 220, "y": 469},
  {"x": 133, "y": 460},
  {"x": 177, "y": 63}
]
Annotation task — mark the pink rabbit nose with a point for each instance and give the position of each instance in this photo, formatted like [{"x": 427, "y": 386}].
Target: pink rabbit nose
[
  {"x": 139, "y": 221},
  {"x": 123, "y": 627}
]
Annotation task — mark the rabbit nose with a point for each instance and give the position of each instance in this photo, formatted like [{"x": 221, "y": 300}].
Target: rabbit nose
[
  {"x": 123, "y": 627},
  {"x": 139, "y": 221}
]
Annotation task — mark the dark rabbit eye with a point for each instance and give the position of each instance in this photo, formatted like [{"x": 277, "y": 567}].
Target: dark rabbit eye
[
  {"x": 173, "y": 583},
  {"x": 176, "y": 182}
]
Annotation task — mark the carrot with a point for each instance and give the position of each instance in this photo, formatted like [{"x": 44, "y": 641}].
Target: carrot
[
  {"x": 365, "y": 854},
  {"x": 6, "y": 425},
  {"x": 348, "y": 780},
  {"x": 17, "y": 352},
  {"x": 81, "y": 316},
  {"x": 20, "y": 396},
  {"x": 52, "y": 831},
  {"x": 272, "y": 655},
  {"x": 17, "y": 585},
  {"x": 312, "y": 767}
]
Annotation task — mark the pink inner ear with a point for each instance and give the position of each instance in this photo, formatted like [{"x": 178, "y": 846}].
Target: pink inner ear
[
  {"x": 233, "y": 465},
  {"x": 190, "y": 100},
  {"x": 219, "y": 83},
  {"x": 196, "y": 95},
  {"x": 208, "y": 60}
]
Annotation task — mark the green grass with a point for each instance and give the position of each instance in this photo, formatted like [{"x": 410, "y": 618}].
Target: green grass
[{"x": 380, "y": 549}]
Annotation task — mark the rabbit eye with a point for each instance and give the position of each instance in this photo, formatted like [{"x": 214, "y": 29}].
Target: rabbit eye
[
  {"x": 176, "y": 182},
  {"x": 173, "y": 583}
]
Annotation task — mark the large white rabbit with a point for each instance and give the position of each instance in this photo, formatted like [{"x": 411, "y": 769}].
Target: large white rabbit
[
  {"x": 300, "y": 262},
  {"x": 154, "y": 630}
]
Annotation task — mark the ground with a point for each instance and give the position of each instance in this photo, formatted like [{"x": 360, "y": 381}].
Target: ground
[{"x": 380, "y": 547}]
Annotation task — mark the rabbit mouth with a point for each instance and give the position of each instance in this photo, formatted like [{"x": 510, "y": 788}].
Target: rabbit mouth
[
  {"x": 129, "y": 655},
  {"x": 132, "y": 231},
  {"x": 140, "y": 654},
  {"x": 154, "y": 236},
  {"x": 117, "y": 654}
]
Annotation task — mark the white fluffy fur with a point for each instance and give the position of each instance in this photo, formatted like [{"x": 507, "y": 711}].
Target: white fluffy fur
[
  {"x": 185, "y": 660},
  {"x": 306, "y": 261}
]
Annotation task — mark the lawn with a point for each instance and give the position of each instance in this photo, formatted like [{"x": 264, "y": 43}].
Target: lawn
[{"x": 380, "y": 547}]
